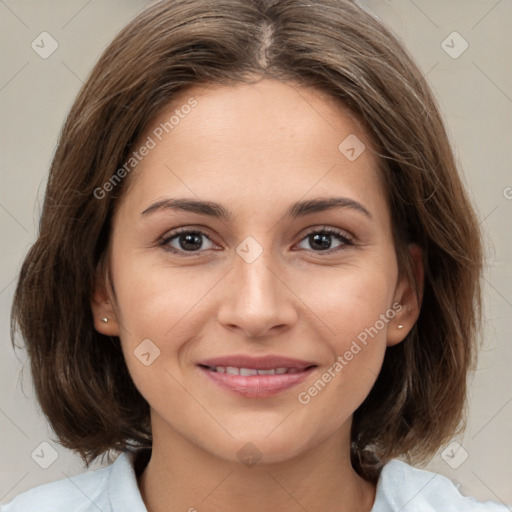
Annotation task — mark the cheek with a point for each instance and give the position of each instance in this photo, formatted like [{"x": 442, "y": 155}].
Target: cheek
[
  {"x": 355, "y": 308},
  {"x": 156, "y": 300},
  {"x": 354, "y": 328},
  {"x": 162, "y": 310},
  {"x": 349, "y": 299}
]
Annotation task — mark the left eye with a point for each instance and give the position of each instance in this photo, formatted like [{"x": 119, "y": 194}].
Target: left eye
[{"x": 321, "y": 240}]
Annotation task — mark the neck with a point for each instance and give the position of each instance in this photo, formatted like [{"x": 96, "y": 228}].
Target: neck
[{"x": 181, "y": 476}]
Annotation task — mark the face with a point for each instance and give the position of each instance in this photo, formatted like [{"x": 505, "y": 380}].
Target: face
[{"x": 288, "y": 270}]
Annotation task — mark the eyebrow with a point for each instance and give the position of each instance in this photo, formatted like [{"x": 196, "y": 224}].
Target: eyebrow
[{"x": 299, "y": 209}]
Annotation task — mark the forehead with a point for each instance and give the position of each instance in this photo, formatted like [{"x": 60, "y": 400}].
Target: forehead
[{"x": 265, "y": 141}]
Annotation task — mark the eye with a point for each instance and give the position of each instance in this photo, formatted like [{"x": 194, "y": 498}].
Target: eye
[
  {"x": 321, "y": 240},
  {"x": 192, "y": 240},
  {"x": 185, "y": 240}
]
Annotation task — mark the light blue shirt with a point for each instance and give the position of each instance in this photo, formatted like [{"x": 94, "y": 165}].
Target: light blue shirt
[{"x": 400, "y": 487}]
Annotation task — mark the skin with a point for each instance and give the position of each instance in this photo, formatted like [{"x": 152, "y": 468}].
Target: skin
[{"x": 256, "y": 150}]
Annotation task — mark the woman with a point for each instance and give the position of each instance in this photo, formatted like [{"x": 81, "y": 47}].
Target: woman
[{"x": 257, "y": 274}]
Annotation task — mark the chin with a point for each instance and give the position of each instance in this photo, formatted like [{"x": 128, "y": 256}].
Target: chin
[{"x": 260, "y": 449}]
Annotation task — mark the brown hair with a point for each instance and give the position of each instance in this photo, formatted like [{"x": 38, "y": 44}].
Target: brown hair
[{"x": 80, "y": 376}]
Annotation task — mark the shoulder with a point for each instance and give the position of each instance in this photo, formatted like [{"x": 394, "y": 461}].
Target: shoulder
[
  {"x": 111, "y": 488},
  {"x": 78, "y": 493},
  {"x": 406, "y": 488}
]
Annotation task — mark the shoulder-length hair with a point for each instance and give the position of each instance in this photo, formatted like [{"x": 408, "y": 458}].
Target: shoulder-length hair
[{"x": 81, "y": 379}]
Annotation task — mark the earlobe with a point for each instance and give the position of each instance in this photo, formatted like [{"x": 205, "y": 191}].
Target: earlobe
[
  {"x": 409, "y": 295},
  {"x": 104, "y": 317}
]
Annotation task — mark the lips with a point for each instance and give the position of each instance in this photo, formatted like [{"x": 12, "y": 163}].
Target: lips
[
  {"x": 268, "y": 362},
  {"x": 256, "y": 377},
  {"x": 233, "y": 370}
]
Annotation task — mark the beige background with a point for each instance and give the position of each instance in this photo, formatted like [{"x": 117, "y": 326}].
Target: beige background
[{"x": 475, "y": 93}]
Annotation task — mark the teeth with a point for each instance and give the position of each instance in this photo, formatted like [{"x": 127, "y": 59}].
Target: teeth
[
  {"x": 248, "y": 371},
  {"x": 232, "y": 370}
]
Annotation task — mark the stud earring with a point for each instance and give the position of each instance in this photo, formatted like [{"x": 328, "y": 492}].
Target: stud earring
[
  {"x": 104, "y": 320},
  {"x": 400, "y": 326}
]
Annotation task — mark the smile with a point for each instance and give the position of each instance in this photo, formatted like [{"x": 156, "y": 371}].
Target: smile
[
  {"x": 232, "y": 370},
  {"x": 256, "y": 383}
]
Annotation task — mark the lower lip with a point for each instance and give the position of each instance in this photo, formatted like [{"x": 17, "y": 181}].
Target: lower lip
[{"x": 257, "y": 386}]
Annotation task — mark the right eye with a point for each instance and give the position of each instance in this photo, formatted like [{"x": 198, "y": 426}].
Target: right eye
[{"x": 185, "y": 241}]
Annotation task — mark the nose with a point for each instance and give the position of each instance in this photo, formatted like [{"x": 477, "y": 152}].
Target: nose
[{"x": 257, "y": 300}]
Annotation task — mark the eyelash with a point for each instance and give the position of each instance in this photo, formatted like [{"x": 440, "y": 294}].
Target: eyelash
[{"x": 343, "y": 237}]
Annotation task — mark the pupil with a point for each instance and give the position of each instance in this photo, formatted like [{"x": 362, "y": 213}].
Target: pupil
[
  {"x": 190, "y": 239},
  {"x": 323, "y": 241}
]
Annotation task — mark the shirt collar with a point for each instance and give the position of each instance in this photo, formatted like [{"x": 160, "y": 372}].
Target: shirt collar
[{"x": 124, "y": 494}]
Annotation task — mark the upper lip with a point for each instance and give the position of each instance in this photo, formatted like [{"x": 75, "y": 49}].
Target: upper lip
[{"x": 257, "y": 363}]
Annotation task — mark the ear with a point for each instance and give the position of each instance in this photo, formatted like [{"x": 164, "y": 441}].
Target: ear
[
  {"x": 105, "y": 320},
  {"x": 409, "y": 295}
]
